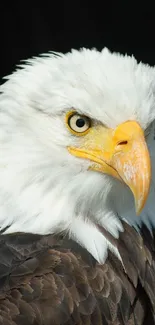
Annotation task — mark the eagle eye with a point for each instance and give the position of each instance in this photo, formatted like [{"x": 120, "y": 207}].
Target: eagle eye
[{"x": 77, "y": 123}]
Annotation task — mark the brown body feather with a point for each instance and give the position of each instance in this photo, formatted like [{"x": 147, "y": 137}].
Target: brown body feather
[{"x": 46, "y": 280}]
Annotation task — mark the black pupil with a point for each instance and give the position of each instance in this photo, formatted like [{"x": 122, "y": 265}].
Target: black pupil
[{"x": 80, "y": 122}]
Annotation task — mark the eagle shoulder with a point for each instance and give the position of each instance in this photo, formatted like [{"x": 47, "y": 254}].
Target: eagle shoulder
[{"x": 52, "y": 280}]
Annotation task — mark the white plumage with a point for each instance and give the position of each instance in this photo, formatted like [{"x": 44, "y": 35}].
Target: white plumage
[{"x": 43, "y": 188}]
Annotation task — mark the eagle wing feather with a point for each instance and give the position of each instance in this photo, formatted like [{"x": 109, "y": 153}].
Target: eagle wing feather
[{"x": 48, "y": 280}]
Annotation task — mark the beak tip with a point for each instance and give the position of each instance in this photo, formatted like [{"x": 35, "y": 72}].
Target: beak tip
[
  {"x": 138, "y": 211},
  {"x": 139, "y": 207}
]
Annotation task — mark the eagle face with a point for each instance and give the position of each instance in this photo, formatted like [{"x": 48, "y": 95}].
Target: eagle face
[{"x": 76, "y": 138}]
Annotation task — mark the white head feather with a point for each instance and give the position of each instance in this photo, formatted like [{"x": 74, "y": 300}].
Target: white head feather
[{"x": 43, "y": 188}]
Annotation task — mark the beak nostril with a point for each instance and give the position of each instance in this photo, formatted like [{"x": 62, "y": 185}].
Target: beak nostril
[{"x": 122, "y": 143}]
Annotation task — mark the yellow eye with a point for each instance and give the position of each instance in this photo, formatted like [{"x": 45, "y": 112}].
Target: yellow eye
[{"x": 78, "y": 124}]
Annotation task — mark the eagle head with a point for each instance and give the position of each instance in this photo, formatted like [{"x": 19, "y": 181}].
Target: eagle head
[{"x": 76, "y": 146}]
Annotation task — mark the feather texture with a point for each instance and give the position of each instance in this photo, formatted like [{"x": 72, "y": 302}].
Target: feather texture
[{"x": 48, "y": 280}]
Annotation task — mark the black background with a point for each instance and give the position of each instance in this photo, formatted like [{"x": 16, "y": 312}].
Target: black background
[{"x": 31, "y": 28}]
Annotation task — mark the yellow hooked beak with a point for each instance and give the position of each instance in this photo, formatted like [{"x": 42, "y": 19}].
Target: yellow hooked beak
[{"x": 122, "y": 153}]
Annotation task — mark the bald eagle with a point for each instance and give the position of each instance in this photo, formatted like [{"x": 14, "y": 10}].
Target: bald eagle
[{"x": 77, "y": 165}]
